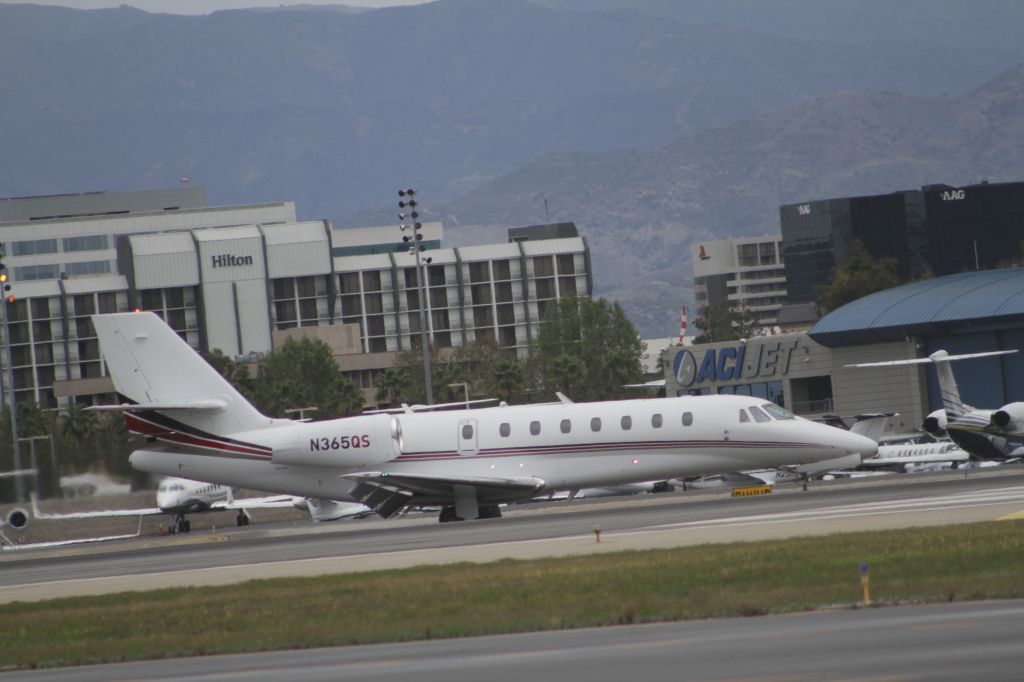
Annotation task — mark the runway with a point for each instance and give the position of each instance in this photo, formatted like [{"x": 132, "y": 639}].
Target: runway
[
  {"x": 934, "y": 642},
  {"x": 554, "y": 529}
]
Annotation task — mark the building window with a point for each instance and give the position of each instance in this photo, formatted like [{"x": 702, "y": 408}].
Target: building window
[
  {"x": 95, "y": 267},
  {"x": 479, "y": 272},
  {"x": 25, "y": 273},
  {"x": 501, "y": 270},
  {"x": 543, "y": 266},
  {"x": 94, "y": 242},
  {"x": 32, "y": 247}
]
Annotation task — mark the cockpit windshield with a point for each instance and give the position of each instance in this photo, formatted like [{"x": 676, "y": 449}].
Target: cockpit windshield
[
  {"x": 758, "y": 415},
  {"x": 777, "y": 411}
]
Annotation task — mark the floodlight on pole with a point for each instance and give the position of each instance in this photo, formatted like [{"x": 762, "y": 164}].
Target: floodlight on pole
[{"x": 420, "y": 285}]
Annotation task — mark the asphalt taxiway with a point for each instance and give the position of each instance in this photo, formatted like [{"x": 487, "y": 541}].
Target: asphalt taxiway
[
  {"x": 554, "y": 529},
  {"x": 934, "y": 642}
]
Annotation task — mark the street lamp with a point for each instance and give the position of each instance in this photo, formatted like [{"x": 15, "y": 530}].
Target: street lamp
[
  {"x": 301, "y": 411},
  {"x": 465, "y": 387},
  {"x": 413, "y": 241}
]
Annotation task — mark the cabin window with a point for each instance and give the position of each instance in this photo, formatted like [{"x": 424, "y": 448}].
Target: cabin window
[
  {"x": 595, "y": 424},
  {"x": 504, "y": 430},
  {"x": 744, "y": 417},
  {"x": 467, "y": 431},
  {"x": 535, "y": 428},
  {"x": 627, "y": 423},
  {"x": 566, "y": 426},
  {"x": 656, "y": 421},
  {"x": 759, "y": 416},
  {"x": 687, "y": 418}
]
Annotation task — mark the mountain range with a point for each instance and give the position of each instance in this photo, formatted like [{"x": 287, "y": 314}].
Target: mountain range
[{"x": 648, "y": 123}]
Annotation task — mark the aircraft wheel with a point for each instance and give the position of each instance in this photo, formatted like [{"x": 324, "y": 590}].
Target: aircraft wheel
[
  {"x": 184, "y": 526},
  {"x": 448, "y": 514},
  {"x": 242, "y": 520}
]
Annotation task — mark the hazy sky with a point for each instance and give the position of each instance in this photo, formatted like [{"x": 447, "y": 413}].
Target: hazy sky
[{"x": 207, "y": 6}]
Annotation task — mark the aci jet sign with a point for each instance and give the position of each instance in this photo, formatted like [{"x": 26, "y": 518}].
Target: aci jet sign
[{"x": 763, "y": 360}]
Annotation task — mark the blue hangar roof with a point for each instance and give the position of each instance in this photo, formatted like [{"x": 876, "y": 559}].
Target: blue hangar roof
[{"x": 976, "y": 301}]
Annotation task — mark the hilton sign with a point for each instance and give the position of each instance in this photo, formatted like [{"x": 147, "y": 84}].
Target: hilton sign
[{"x": 229, "y": 260}]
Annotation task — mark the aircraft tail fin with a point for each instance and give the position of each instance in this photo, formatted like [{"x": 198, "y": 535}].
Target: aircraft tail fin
[
  {"x": 948, "y": 389},
  {"x": 951, "y": 401},
  {"x": 872, "y": 425},
  {"x": 157, "y": 372}
]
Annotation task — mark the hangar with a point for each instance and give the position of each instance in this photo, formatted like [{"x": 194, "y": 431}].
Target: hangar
[{"x": 806, "y": 371}]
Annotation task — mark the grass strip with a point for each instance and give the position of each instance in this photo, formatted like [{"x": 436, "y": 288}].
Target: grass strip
[{"x": 971, "y": 561}]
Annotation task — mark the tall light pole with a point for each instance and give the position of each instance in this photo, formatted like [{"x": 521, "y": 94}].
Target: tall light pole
[{"x": 408, "y": 200}]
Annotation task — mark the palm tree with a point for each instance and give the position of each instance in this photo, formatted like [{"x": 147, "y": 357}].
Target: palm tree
[
  {"x": 507, "y": 378},
  {"x": 566, "y": 371},
  {"x": 393, "y": 385}
]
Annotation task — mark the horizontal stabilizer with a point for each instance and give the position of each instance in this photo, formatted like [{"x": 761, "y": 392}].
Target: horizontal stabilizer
[
  {"x": 207, "y": 404},
  {"x": 933, "y": 359}
]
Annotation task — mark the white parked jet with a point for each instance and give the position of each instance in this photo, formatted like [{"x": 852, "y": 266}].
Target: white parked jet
[
  {"x": 984, "y": 433},
  {"x": 467, "y": 461},
  {"x": 179, "y": 497}
]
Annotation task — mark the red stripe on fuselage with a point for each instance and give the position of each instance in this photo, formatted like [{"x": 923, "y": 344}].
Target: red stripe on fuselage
[{"x": 148, "y": 428}]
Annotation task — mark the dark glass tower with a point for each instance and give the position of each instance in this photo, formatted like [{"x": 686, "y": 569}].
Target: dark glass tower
[{"x": 937, "y": 230}]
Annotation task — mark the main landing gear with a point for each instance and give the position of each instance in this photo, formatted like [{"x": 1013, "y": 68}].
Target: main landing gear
[
  {"x": 242, "y": 519},
  {"x": 180, "y": 524},
  {"x": 484, "y": 511}
]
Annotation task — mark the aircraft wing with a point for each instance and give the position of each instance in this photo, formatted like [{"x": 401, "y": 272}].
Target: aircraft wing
[
  {"x": 255, "y": 503},
  {"x": 99, "y": 513},
  {"x": 386, "y": 492}
]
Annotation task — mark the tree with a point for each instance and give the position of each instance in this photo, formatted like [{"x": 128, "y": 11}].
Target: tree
[
  {"x": 722, "y": 322},
  {"x": 410, "y": 362},
  {"x": 593, "y": 341},
  {"x": 507, "y": 378},
  {"x": 394, "y": 385},
  {"x": 236, "y": 373},
  {"x": 859, "y": 276},
  {"x": 78, "y": 427},
  {"x": 303, "y": 373}
]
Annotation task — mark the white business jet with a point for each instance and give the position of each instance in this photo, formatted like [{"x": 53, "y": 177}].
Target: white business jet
[
  {"x": 466, "y": 461},
  {"x": 986, "y": 434},
  {"x": 179, "y": 497}
]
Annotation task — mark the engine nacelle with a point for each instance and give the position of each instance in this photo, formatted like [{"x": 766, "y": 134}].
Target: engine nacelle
[
  {"x": 17, "y": 519},
  {"x": 361, "y": 441},
  {"x": 1009, "y": 417},
  {"x": 935, "y": 423}
]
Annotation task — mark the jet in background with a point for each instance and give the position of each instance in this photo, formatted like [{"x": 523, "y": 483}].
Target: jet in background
[
  {"x": 179, "y": 497},
  {"x": 986, "y": 434},
  {"x": 466, "y": 461}
]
